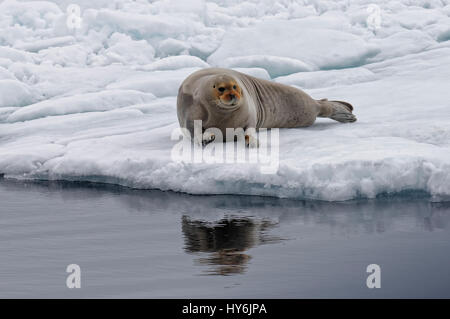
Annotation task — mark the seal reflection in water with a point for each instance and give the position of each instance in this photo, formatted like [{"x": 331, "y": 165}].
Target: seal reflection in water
[
  {"x": 225, "y": 241},
  {"x": 223, "y": 98}
]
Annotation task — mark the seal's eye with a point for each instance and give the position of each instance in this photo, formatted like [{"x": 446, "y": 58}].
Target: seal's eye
[
  {"x": 221, "y": 89},
  {"x": 234, "y": 87}
]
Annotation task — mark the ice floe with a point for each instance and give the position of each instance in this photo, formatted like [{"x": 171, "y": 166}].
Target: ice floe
[{"x": 98, "y": 102}]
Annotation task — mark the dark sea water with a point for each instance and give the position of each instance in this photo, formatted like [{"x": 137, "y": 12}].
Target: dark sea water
[{"x": 152, "y": 244}]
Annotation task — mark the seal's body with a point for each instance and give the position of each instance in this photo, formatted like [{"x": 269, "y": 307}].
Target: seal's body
[{"x": 223, "y": 98}]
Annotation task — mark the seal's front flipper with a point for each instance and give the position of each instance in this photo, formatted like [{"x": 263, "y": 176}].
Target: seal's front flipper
[
  {"x": 208, "y": 137},
  {"x": 251, "y": 140},
  {"x": 205, "y": 138}
]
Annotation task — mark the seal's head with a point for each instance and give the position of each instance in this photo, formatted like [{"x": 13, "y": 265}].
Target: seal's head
[{"x": 226, "y": 91}]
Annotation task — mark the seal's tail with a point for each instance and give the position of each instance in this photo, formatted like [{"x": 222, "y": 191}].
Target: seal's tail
[{"x": 337, "y": 110}]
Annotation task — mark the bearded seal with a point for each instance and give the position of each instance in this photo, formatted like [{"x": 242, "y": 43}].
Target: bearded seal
[{"x": 224, "y": 98}]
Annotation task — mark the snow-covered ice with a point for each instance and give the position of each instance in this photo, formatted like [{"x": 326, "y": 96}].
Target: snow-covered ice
[{"x": 98, "y": 102}]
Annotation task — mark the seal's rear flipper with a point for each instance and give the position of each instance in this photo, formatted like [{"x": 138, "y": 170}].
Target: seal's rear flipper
[
  {"x": 348, "y": 105},
  {"x": 337, "y": 110}
]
